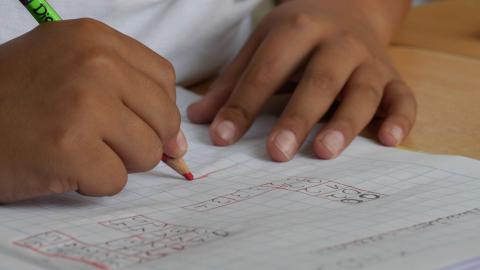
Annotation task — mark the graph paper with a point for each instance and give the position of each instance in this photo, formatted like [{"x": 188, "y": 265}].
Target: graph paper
[{"x": 371, "y": 208}]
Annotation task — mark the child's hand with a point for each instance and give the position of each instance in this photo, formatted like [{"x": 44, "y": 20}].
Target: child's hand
[
  {"x": 337, "y": 49},
  {"x": 80, "y": 106}
]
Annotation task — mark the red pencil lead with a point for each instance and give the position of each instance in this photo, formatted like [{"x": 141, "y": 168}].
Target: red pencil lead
[{"x": 189, "y": 176}]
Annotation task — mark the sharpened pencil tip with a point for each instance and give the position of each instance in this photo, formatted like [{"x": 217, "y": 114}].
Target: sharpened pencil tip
[{"x": 189, "y": 176}]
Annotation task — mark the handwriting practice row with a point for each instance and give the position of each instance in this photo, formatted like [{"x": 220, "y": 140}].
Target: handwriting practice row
[
  {"x": 148, "y": 240},
  {"x": 319, "y": 188}
]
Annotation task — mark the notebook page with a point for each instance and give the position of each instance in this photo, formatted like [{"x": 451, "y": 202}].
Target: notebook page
[{"x": 373, "y": 207}]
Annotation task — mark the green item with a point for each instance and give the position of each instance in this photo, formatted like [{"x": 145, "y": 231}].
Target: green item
[{"x": 41, "y": 11}]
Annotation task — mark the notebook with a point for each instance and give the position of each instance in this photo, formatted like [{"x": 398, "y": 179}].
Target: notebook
[{"x": 371, "y": 208}]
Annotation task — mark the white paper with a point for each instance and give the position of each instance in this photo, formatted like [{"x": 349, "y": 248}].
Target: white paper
[{"x": 372, "y": 208}]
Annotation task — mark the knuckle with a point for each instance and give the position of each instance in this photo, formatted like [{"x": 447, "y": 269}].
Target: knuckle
[
  {"x": 348, "y": 38},
  {"x": 351, "y": 42},
  {"x": 259, "y": 78},
  {"x": 324, "y": 81},
  {"x": 70, "y": 128},
  {"x": 80, "y": 102},
  {"x": 94, "y": 59},
  {"x": 89, "y": 26},
  {"x": 397, "y": 84},
  {"x": 369, "y": 91},
  {"x": 239, "y": 112},
  {"x": 170, "y": 74},
  {"x": 381, "y": 66},
  {"x": 65, "y": 141},
  {"x": 301, "y": 21},
  {"x": 223, "y": 83}
]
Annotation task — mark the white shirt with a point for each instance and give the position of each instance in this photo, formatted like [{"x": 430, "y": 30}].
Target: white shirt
[{"x": 197, "y": 36}]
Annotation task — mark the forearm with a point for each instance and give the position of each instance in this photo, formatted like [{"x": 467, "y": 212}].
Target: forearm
[{"x": 385, "y": 16}]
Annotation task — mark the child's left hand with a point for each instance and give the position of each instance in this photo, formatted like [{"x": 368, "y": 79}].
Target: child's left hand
[{"x": 338, "y": 49}]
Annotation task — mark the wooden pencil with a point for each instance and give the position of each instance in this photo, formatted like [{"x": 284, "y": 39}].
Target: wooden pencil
[{"x": 179, "y": 166}]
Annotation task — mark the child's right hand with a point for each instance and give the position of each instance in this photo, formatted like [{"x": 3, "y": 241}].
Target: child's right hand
[{"x": 80, "y": 106}]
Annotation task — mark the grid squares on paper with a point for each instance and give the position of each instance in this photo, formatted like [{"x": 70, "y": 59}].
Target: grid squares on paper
[{"x": 265, "y": 227}]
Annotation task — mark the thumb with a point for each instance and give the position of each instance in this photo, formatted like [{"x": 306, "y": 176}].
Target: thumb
[{"x": 176, "y": 147}]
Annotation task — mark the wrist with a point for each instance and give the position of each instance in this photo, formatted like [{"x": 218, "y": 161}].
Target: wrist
[{"x": 384, "y": 16}]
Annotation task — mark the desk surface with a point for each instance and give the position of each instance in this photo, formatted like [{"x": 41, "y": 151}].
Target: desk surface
[
  {"x": 447, "y": 88},
  {"x": 451, "y": 26}
]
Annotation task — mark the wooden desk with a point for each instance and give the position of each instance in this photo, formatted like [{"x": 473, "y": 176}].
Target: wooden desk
[
  {"x": 447, "y": 88},
  {"x": 451, "y": 26}
]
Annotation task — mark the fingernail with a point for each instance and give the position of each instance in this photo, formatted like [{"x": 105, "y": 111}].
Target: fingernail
[
  {"x": 397, "y": 133},
  {"x": 334, "y": 142},
  {"x": 182, "y": 142},
  {"x": 225, "y": 130},
  {"x": 286, "y": 142}
]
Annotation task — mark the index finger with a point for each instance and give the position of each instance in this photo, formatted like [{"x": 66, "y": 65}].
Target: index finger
[{"x": 281, "y": 52}]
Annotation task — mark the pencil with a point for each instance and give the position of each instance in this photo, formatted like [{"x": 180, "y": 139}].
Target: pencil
[
  {"x": 179, "y": 166},
  {"x": 43, "y": 12}
]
